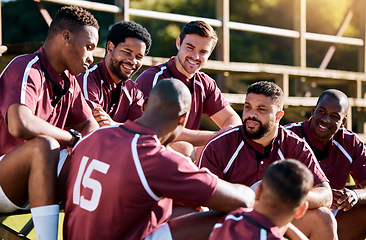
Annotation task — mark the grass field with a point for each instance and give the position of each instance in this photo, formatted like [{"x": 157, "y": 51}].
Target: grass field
[{"x": 17, "y": 222}]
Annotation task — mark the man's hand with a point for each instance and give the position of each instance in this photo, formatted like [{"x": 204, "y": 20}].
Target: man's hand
[
  {"x": 102, "y": 117},
  {"x": 344, "y": 199}
]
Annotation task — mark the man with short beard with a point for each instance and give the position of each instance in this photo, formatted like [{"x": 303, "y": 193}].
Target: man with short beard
[
  {"x": 242, "y": 154},
  {"x": 195, "y": 44},
  {"x": 107, "y": 87}
]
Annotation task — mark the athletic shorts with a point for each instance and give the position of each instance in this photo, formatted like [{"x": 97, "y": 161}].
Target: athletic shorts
[
  {"x": 6, "y": 206},
  {"x": 161, "y": 232}
]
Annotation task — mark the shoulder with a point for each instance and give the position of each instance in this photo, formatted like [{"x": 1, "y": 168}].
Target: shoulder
[
  {"x": 26, "y": 61},
  {"x": 293, "y": 126},
  {"x": 151, "y": 71},
  {"x": 347, "y": 137},
  {"x": 203, "y": 78},
  {"x": 288, "y": 135},
  {"x": 224, "y": 140}
]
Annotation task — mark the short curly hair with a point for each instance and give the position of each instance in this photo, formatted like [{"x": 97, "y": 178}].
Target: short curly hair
[
  {"x": 129, "y": 29},
  {"x": 71, "y": 18}
]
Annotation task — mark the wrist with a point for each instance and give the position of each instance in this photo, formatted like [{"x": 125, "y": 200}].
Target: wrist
[
  {"x": 357, "y": 196},
  {"x": 76, "y": 136}
]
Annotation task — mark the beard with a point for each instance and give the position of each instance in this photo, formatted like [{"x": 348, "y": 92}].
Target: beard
[
  {"x": 262, "y": 131},
  {"x": 182, "y": 60},
  {"x": 115, "y": 68}
]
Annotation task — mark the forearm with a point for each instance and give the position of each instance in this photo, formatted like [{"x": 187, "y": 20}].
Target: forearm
[
  {"x": 88, "y": 126},
  {"x": 196, "y": 137},
  {"x": 362, "y": 195},
  {"x": 320, "y": 196},
  {"x": 229, "y": 196},
  {"x": 232, "y": 121},
  {"x": 293, "y": 233},
  {"x": 35, "y": 126}
]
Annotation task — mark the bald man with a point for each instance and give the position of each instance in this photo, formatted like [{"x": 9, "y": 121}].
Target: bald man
[
  {"x": 278, "y": 199},
  {"x": 124, "y": 174},
  {"x": 340, "y": 152}
]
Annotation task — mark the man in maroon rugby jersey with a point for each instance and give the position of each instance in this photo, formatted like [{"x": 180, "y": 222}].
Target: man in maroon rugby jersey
[
  {"x": 242, "y": 154},
  {"x": 107, "y": 87},
  {"x": 123, "y": 179},
  {"x": 39, "y": 96},
  {"x": 340, "y": 152},
  {"x": 278, "y": 199},
  {"x": 195, "y": 44}
]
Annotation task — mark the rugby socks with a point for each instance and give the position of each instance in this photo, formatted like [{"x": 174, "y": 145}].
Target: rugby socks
[{"x": 45, "y": 220}]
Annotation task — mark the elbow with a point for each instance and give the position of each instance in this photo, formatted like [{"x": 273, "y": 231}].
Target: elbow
[
  {"x": 17, "y": 129},
  {"x": 329, "y": 200}
]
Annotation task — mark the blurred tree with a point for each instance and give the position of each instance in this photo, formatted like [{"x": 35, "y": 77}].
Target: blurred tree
[{"x": 22, "y": 22}]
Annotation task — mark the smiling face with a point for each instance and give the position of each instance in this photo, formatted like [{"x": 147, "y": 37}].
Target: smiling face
[
  {"x": 327, "y": 117},
  {"x": 193, "y": 53},
  {"x": 125, "y": 59},
  {"x": 260, "y": 116},
  {"x": 79, "y": 48}
]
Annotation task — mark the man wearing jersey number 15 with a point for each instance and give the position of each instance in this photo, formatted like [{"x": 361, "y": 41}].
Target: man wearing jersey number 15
[{"x": 123, "y": 179}]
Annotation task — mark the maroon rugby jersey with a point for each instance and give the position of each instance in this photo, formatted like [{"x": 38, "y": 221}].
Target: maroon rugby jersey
[
  {"x": 23, "y": 81},
  {"x": 206, "y": 96},
  {"x": 122, "y": 181},
  {"x": 245, "y": 224},
  {"x": 120, "y": 101},
  {"x": 235, "y": 158},
  {"x": 345, "y": 154}
]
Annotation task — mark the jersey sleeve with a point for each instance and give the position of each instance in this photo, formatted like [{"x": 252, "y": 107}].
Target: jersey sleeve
[
  {"x": 214, "y": 101},
  {"x": 20, "y": 83},
  {"x": 79, "y": 109},
  {"x": 182, "y": 181},
  {"x": 90, "y": 90},
  {"x": 358, "y": 166},
  {"x": 145, "y": 81},
  {"x": 210, "y": 160},
  {"x": 135, "y": 110}
]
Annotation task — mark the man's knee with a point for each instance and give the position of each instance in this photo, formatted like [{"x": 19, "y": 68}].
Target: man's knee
[
  {"x": 319, "y": 223},
  {"x": 43, "y": 150},
  {"x": 325, "y": 217}
]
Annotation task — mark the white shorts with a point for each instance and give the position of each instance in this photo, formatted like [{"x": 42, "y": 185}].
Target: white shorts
[
  {"x": 61, "y": 160},
  {"x": 160, "y": 233},
  {"x": 6, "y": 206}
]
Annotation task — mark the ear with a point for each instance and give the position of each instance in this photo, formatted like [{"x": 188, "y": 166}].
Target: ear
[
  {"x": 66, "y": 35},
  {"x": 258, "y": 192},
  {"x": 301, "y": 211},
  {"x": 312, "y": 111},
  {"x": 344, "y": 121},
  {"x": 279, "y": 115},
  {"x": 143, "y": 107},
  {"x": 110, "y": 47},
  {"x": 177, "y": 43},
  {"x": 182, "y": 120}
]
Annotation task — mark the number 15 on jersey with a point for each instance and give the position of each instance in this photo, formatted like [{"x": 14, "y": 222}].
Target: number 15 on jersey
[{"x": 83, "y": 178}]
